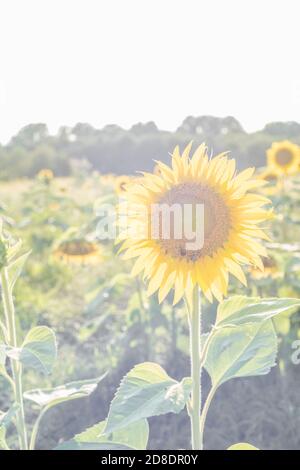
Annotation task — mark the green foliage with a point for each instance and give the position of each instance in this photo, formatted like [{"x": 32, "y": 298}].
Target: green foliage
[
  {"x": 116, "y": 150},
  {"x": 240, "y": 310},
  {"x": 134, "y": 436},
  {"x": 49, "y": 397},
  {"x": 146, "y": 391},
  {"x": 5, "y": 420},
  {"x": 15, "y": 268},
  {"x": 241, "y": 351},
  {"x": 3, "y": 254},
  {"x": 242, "y": 446},
  {"x": 102, "y": 316},
  {"x": 39, "y": 350}
]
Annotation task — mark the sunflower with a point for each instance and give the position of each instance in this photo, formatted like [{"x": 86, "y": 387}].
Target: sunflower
[
  {"x": 284, "y": 157},
  {"x": 78, "y": 251},
  {"x": 274, "y": 183},
  {"x": 271, "y": 269},
  {"x": 121, "y": 182},
  {"x": 232, "y": 217},
  {"x": 45, "y": 175},
  {"x": 269, "y": 176}
]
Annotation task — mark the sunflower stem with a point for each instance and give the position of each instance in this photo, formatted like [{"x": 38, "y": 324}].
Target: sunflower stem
[
  {"x": 196, "y": 368},
  {"x": 9, "y": 311}
]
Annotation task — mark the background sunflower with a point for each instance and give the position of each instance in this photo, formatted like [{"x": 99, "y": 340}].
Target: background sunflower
[
  {"x": 45, "y": 175},
  {"x": 284, "y": 157},
  {"x": 273, "y": 181},
  {"x": 79, "y": 251}
]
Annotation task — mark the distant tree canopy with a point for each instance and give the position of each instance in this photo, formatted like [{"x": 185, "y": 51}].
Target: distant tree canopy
[{"x": 116, "y": 150}]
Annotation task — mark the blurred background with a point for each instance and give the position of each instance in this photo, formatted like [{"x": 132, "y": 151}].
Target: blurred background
[{"x": 92, "y": 92}]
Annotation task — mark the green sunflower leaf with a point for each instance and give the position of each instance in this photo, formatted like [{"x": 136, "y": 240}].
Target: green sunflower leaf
[
  {"x": 49, "y": 397},
  {"x": 147, "y": 390},
  {"x": 135, "y": 436},
  {"x": 242, "y": 446},
  {"x": 241, "y": 351},
  {"x": 39, "y": 349},
  {"x": 239, "y": 310}
]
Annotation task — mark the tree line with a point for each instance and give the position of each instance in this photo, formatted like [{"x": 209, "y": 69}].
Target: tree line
[{"x": 83, "y": 148}]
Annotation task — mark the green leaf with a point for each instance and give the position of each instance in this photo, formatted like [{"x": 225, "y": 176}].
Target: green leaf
[
  {"x": 39, "y": 349},
  {"x": 2, "y": 354},
  {"x": 3, "y": 332},
  {"x": 134, "y": 436},
  {"x": 282, "y": 324},
  {"x": 242, "y": 446},
  {"x": 241, "y": 351},
  {"x": 3, "y": 443},
  {"x": 3, "y": 255},
  {"x": 15, "y": 268},
  {"x": 239, "y": 310},
  {"x": 94, "y": 446},
  {"x": 6, "y": 417},
  {"x": 13, "y": 249},
  {"x": 49, "y": 397},
  {"x": 3, "y": 372},
  {"x": 5, "y": 420},
  {"x": 146, "y": 391}
]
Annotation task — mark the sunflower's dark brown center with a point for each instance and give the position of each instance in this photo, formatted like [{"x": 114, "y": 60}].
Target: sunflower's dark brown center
[
  {"x": 284, "y": 157},
  {"x": 215, "y": 226}
]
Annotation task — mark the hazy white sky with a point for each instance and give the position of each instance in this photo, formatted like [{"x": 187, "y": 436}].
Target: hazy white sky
[{"x": 123, "y": 61}]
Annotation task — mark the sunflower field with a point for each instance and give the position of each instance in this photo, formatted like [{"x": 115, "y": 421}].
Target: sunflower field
[{"x": 112, "y": 332}]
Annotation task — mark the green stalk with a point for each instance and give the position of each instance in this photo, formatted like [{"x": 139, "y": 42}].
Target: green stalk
[
  {"x": 36, "y": 428},
  {"x": 206, "y": 408},
  {"x": 9, "y": 311},
  {"x": 144, "y": 318},
  {"x": 195, "y": 352}
]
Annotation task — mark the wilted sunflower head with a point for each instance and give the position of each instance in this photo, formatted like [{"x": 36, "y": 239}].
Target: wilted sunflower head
[
  {"x": 78, "y": 251},
  {"x": 284, "y": 157},
  {"x": 45, "y": 175},
  {"x": 209, "y": 195}
]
